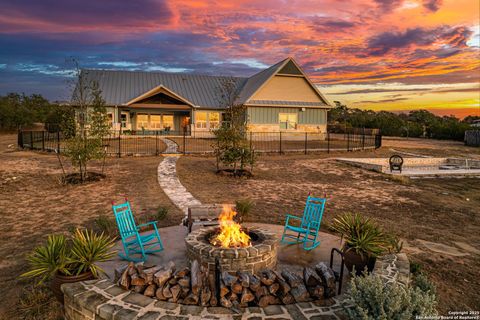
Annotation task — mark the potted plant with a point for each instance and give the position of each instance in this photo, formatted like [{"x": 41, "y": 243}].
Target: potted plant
[
  {"x": 364, "y": 241},
  {"x": 66, "y": 260}
]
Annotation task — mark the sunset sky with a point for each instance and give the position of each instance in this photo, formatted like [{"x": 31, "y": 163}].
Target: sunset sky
[{"x": 373, "y": 54}]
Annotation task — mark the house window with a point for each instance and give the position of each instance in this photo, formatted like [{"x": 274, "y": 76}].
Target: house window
[
  {"x": 167, "y": 121},
  {"x": 142, "y": 121},
  {"x": 214, "y": 120},
  {"x": 201, "y": 120},
  {"x": 288, "y": 121},
  {"x": 123, "y": 119},
  {"x": 155, "y": 121}
]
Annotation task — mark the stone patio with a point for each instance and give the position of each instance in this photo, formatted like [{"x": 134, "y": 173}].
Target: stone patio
[{"x": 291, "y": 256}]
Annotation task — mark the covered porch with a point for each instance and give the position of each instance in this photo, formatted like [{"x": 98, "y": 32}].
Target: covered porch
[{"x": 158, "y": 111}]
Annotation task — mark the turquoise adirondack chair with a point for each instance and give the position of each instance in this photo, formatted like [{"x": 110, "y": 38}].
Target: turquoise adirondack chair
[
  {"x": 306, "y": 231},
  {"x": 133, "y": 242}
]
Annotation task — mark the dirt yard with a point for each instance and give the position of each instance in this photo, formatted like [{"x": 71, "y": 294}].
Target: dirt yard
[
  {"x": 33, "y": 204},
  {"x": 442, "y": 211}
]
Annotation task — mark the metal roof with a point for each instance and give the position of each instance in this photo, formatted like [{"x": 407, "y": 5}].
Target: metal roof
[{"x": 120, "y": 87}]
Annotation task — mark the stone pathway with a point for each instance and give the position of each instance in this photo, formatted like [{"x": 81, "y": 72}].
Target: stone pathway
[
  {"x": 172, "y": 147},
  {"x": 169, "y": 182}
]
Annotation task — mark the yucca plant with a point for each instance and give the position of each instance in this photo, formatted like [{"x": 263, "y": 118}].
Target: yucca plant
[
  {"x": 361, "y": 235},
  {"x": 243, "y": 207},
  {"x": 49, "y": 259},
  {"x": 69, "y": 257},
  {"x": 88, "y": 249}
]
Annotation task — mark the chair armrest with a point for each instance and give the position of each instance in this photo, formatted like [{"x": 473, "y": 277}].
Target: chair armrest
[
  {"x": 293, "y": 217},
  {"x": 154, "y": 223}
]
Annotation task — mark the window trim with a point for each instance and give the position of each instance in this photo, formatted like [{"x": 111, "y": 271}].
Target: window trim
[{"x": 287, "y": 122}]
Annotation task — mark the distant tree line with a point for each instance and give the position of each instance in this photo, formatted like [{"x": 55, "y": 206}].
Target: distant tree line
[
  {"x": 416, "y": 123},
  {"x": 19, "y": 111}
]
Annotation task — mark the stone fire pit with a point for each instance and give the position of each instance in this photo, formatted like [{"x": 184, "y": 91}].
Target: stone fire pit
[{"x": 260, "y": 255}]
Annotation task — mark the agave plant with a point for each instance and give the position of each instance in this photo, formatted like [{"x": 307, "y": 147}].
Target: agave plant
[
  {"x": 88, "y": 249},
  {"x": 49, "y": 259},
  {"x": 361, "y": 234},
  {"x": 73, "y": 256}
]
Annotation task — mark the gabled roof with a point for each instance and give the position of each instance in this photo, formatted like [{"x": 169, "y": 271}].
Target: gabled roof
[{"x": 126, "y": 87}]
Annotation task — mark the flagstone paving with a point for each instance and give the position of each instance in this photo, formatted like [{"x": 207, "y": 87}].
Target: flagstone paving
[{"x": 169, "y": 182}]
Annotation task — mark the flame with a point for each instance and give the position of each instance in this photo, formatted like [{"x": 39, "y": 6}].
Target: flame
[{"x": 231, "y": 234}]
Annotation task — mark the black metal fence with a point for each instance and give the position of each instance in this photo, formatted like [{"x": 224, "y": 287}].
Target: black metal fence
[{"x": 157, "y": 142}]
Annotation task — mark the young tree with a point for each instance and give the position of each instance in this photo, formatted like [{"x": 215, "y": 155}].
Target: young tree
[
  {"x": 231, "y": 147},
  {"x": 90, "y": 127}
]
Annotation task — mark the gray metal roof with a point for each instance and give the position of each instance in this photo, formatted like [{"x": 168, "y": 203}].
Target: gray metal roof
[{"x": 120, "y": 87}]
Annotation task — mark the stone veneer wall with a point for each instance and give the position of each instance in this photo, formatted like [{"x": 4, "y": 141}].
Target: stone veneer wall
[
  {"x": 252, "y": 259},
  {"x": 102, "y": 300}
]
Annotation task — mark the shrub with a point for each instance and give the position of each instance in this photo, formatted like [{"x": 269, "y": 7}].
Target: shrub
[
  {"x": 106, "y": 225},
  {"x": 161, "y": 213},
  {"x": 371, "y": 299},
  {"x": 243, "y": 207},
  {"x": 38, "y": 302}
]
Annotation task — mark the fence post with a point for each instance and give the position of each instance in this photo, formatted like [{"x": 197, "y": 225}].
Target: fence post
[
  {"x": 250, "y": 141},
  {"x": 31, "y": 140},
  {"x": 43, "y": 140},
  {"x": 306, "y": 137},
  {"x": 119, "y": 144},
  {"x": 58, "y": 141},
  {"x": 328, "y": 141},
  {"x": 20, "y": 138},
  {"x": 156, "y": 142},
  {"x": 184, "y": 142},
  {"x": 348, "y": 141},
  {"x": 280, "y": 149},
  {"x": 363, "y": 141}
]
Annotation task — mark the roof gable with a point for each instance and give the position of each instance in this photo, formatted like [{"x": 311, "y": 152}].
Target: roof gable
[{"x": 123, "y": 88}]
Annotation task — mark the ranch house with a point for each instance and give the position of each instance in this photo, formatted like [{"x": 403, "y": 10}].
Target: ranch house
[{"x": 279, "y": 98}]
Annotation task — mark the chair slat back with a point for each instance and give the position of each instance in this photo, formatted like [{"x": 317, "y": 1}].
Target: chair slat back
[
  {"x": 313, "y": 211},
  {"x": 125, "y": 222}
]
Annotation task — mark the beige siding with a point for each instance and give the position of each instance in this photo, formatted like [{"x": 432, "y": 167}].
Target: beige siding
[{"x": 288, "y": 89}]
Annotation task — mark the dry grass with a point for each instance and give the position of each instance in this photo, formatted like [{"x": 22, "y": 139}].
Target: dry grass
[
  {"x": 33, "y": 204},
  {"x": 433, "y": 209}
]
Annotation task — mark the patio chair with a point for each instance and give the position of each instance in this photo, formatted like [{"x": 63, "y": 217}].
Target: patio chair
[
  {"x": 306, "y": 229},
  {"x": 133, "y": 242}
]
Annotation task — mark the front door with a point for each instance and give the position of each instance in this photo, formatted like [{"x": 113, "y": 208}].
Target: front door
[{"x": 185, "y": 124}]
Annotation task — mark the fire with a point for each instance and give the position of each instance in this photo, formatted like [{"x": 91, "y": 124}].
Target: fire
[{"x": 231, "y": 234}]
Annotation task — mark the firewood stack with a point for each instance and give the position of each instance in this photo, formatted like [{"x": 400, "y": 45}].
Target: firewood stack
[{"x": 196, "y": 286}]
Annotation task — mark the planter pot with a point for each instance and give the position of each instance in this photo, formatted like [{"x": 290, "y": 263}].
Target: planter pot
[
  {"x": 353, "y": 259},
  {"x": 60, "y": 279}
]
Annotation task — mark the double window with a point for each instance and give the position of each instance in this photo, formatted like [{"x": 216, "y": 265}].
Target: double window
[
  {"x": 207, "y": 120},
  {"x": 154, "y": 121},
  {"x": 288, "y": 121}
]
